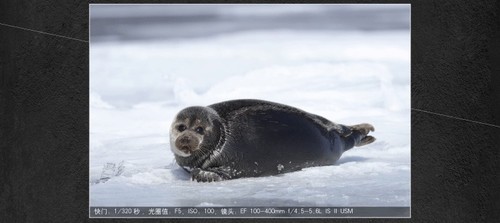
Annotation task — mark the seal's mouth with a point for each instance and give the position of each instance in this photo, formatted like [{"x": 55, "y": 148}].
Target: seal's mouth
[
  {"x": 186, "y": 149},
  {"x": 183, "y": 151},
  {"x": 185, "y": 144}
]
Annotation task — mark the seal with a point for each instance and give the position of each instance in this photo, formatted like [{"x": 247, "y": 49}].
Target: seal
[{"x": 253, "y": 138}]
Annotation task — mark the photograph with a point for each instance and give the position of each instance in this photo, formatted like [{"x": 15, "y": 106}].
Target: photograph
[{"x": 250, "y": 105}]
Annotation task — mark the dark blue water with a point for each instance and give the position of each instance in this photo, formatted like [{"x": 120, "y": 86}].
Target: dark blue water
[{"x": 137, "y": 22}]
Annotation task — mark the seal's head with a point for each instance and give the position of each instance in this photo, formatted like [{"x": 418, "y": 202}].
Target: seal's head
[{"x": 195, "y": 131}]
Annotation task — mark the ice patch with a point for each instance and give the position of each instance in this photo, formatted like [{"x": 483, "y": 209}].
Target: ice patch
[{"x": 346, "y": 77}]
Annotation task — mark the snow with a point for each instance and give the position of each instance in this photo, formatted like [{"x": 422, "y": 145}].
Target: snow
[{"x": 349, "y": 77}]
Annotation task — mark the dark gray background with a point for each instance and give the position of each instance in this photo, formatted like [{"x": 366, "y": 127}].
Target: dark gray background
[{"x": 44, "y": 112}]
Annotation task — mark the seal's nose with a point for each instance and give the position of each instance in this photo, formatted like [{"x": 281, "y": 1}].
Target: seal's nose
[
  {"x": 184, "y": 140},
  {"x": 184, "y": 143},
  {"x": 187, "y": 143}
]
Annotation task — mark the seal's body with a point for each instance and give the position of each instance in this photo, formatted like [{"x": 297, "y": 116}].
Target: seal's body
[{"x": 251, "y": 138}]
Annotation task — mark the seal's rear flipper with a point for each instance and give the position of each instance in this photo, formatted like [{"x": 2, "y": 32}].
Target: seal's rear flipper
[
  {"x": 364, "y": 128},
  {"x": 365, "y": 141},
  {"x": 359, "y": 135}
]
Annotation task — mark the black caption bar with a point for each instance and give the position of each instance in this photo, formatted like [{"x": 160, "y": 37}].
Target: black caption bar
[{"x": 249, "y": 212}]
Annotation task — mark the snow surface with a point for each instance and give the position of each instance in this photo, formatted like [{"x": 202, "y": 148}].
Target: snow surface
[{"x": 348, "y": 77}]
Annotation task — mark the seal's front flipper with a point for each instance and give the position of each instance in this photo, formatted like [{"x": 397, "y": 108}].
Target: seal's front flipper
[
  {"x": 209, "y": 175},
  {"x": 204, "y": 175}
]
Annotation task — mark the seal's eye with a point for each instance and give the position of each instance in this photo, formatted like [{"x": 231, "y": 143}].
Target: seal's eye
[
  {"x": 181, "y": 128},
  {"x": 199, "y": 130}
]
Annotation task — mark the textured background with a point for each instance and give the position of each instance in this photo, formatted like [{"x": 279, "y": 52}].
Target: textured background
[{"x": 44, "y": 112}]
